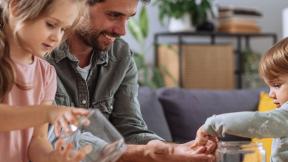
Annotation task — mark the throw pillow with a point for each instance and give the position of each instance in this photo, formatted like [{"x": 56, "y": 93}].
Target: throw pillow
[
  {"x": 186, "y": 110},
  {"x": 265, "y": 104}
]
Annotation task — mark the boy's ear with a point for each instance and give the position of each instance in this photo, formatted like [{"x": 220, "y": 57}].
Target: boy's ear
[{"x": 13, "y": 11}]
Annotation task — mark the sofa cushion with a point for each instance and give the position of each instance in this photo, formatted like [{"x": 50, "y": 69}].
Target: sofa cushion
[
  {"x": 187, "y": 110},
  {"x": 153, "y": 113}
]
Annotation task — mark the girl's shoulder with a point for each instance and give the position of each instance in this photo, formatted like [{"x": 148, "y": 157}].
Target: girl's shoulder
[{"x": 43, "y": 65}]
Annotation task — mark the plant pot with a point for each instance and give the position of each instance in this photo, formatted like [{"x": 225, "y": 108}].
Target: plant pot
[
  {"x": 205, "y": 27},
  {"x": 181, "y": 24}
]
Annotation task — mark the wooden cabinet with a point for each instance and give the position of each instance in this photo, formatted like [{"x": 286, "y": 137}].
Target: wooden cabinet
[{"x": 210, "y": 65}]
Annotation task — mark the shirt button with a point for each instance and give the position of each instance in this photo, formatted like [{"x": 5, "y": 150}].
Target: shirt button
[{"x": 84, "y": 102}]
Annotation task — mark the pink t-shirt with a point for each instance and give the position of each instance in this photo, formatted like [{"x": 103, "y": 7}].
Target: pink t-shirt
[{"x": 42, "y": 76}]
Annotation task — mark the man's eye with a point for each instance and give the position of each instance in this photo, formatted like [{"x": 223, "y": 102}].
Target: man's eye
[{"x": 113, "y": 15}]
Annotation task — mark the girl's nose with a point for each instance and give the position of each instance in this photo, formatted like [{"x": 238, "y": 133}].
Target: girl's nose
[{"x": 56, "y": 36}]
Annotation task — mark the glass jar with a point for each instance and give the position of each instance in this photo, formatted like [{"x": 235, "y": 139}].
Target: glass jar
[
  {"x": 240, "y": 151},
  {"x": 107, "y": 143}
]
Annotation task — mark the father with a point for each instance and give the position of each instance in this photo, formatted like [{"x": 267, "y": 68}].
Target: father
[{"x": 96, "y": 70}]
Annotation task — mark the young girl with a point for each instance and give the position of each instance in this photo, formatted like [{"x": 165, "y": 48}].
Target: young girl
[
  {"x": 273, "y": 69},
  {"x": 28, "y": 30}
]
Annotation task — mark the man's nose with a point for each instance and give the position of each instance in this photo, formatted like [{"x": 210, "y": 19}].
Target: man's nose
[{"x": 120, "y": 29}]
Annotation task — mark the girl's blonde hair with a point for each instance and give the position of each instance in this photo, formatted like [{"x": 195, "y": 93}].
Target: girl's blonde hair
[
  {"x": 25, "y": 10},
  {"x": 275, "y": 61}
]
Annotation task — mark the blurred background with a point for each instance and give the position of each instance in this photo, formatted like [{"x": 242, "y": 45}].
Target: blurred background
[{"x": 226, "y": 16}]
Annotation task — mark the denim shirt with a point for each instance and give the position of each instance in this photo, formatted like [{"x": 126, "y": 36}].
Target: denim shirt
[{"x": 111, "y": 87}]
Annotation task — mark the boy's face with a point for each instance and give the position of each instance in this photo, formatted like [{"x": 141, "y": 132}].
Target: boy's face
[
  {"x": 43, "y": 34},
  {"x": 278, "y": 90}
]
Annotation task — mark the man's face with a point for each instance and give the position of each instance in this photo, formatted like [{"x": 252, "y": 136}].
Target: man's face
[{"x": 106, "y": 21}]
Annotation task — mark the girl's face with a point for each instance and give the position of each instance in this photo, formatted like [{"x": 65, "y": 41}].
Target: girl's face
[
  {"x": 42, "y": 35},
  {"x": 278, "y": 90}
]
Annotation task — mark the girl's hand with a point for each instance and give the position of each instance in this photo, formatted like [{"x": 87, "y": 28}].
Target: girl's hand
[
  {"x": 62, "y": 117},
  {"x": 67, "y": 154}
]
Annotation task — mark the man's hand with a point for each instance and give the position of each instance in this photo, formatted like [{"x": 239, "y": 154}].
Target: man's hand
[{"x": 160, "y": 151}]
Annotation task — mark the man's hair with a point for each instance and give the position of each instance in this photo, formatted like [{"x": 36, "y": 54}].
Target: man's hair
[
  {"x": 275, "y": 62},
  {"x": 92, "y": 2}
]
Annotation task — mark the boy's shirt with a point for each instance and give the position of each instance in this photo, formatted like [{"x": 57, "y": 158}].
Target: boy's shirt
[{"x": 273, "y": 124}]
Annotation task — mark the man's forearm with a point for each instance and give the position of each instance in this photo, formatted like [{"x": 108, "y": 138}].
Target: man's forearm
[
  {"x": 150, "y": 152},
  {"x": 134, "y": 153}
]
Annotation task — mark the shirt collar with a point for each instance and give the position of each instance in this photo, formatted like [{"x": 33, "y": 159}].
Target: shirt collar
[
  {"x": 62, "y": 52},
  {"x": 101, "y": 57}
]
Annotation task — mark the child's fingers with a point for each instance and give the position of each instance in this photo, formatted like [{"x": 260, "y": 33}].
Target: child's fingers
[
  {"x": 211, "y": 147},
  {"x": 69, "y": 117},
  {"x": 213, "y": 138},
  {"x": 67, "y": 152},
  {"x": 201, "y": 140},
  {"x": 64, "y": 124},
  {"x": 57, "y": 129},
  {"x": 59, "y": 145},
  {"x": 78, "y": 111},
  {"x": 83, "y": 152}
]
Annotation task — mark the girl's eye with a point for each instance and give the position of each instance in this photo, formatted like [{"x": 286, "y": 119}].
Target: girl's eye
[{"x": 50, "y": 25}]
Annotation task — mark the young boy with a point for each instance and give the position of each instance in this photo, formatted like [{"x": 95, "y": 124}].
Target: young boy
[{"x": 273, "y": 69}]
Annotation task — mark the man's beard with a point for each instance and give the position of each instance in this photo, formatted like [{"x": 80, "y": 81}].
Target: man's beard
[{"x": 91, "y": 38}]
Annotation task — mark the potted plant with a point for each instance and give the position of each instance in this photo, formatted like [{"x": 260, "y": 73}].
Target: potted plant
[
  {"x": 198, "y": 10},
  {"x": 139, "y": 29},
  {"x": 150, "y": 76}
]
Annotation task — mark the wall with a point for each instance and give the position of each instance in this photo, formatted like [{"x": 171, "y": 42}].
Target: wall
[{"x": 270, "y": 22}]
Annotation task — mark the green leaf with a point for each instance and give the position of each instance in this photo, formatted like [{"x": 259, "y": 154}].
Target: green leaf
[
  {"x": 135, "y": 30},
  {"x": 144, "y": 22}
]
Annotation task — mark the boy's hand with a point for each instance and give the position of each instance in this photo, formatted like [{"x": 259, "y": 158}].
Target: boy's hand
[{"x": 204, "y": 139}]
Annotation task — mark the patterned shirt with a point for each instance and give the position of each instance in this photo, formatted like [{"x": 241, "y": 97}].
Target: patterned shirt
[{"x": 111, "y": 87}]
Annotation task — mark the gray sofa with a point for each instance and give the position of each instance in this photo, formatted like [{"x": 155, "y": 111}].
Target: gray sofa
[{"x": 176, "y": 114}]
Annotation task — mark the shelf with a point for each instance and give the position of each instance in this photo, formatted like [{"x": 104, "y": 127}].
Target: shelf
[{"x": 213, "y": 36}]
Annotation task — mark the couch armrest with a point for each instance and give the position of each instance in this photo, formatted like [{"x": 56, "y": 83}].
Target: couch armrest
[{"x": 153, "y": 113}]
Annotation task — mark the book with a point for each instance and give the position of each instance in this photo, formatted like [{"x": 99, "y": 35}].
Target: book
[
  {"x": 232, "y": 11},
  {"x": 239, "y": 28}
]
